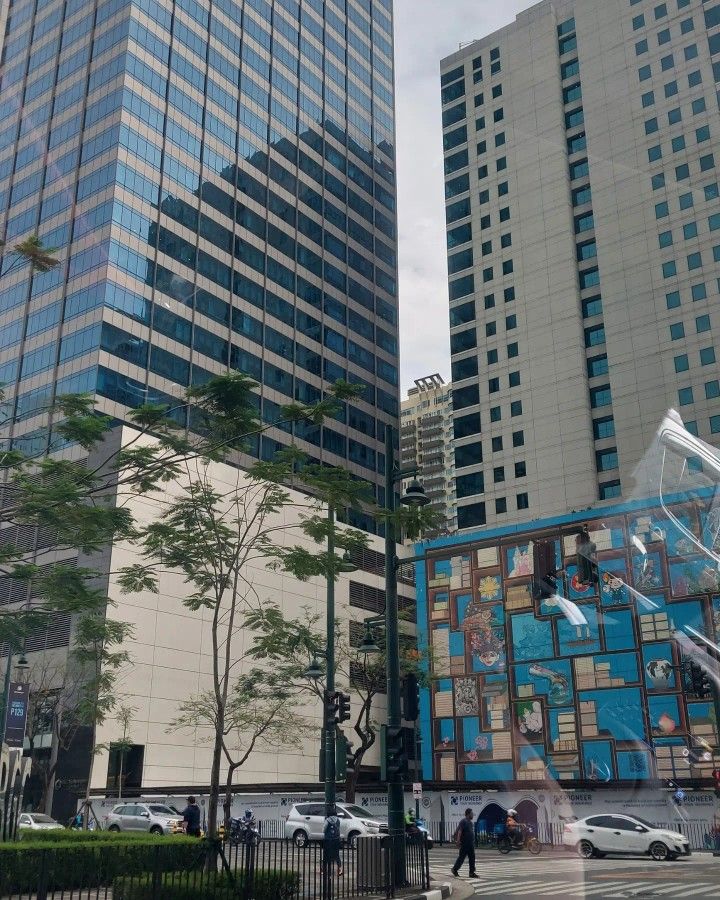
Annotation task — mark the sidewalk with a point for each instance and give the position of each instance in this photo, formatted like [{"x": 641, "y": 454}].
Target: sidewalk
[{"x": 438, "y": 891}]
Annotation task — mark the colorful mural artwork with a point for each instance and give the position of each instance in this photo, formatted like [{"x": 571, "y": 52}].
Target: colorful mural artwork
[{"x": 529, "y": 692}]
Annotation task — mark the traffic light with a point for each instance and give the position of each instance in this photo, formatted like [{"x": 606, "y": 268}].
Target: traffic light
[
  {"x": 699, "y": 681},
  {"x": 410, "y": 698},
  {"x": 393, "y": 758},
  {"x": 331, "y": 704},
  {"x": 343, "y": 707},
  {"x": 544, "y": 584},
  {"x": 343, "y": 756}
]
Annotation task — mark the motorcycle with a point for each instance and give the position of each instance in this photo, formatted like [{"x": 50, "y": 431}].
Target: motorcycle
[
  {"x": 244, "y": 831},
  {"x": 506, "y": 842},
  {"x": 419, "y": 827}
]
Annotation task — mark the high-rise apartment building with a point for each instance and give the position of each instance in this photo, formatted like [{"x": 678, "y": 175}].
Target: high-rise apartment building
[
  {"x": 219, "y": 178},
  {"x": 583, "y": 229},
  {"x": 426, "y": 441}
]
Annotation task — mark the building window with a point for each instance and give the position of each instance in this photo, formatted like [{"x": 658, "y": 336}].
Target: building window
[
  {"x": 678, "y": 143},
  {"x": 514, "y": 379},
  {"x": 715, "y": 424},
  {"x": 609, "y": 490},
  {"x": 512, "y": 350},
  {"x": 494, "y": 385},
  {"x": 690, "y": 230},
  {"x": 516, "y": 408},
  {"x": 497, "y": 444},
  {"x": 685, "y": 396},
  {"x": 469, "y": 485},
  {"x": 638, "y": 22},
  {"x": 510, "y": 322},
  {"x": 694, "y": 261},
  {"x": 591, "y": 306},
  {"x": 495, "y": 413},
  {"x": 641, "y": 47},
  {"x": 471, "y": 516},
  {"x": 699, "y": 291},
  {"x": 661, "y": 210},
  {"x": 500, "y": 505},
  {"x": 520, "y": 469},
  {"x": 644, "y": 73},
  {"x": 658, "y": 181},
  {"x": 672, "y": 300},
  {"x": 489, "y": 301},
  {"x": 712, "y": 389},
  {"x": 677, "y": 331},
  {"x": 603, "y": 428},
  {"x": 702, "y": 323},
  {"x": 648, "y": 99},
  {"x": 518, "y": 438},
  {"x": 687, "y": 201},
  {"x": 522, "y": 501},
  {"x": 606, "y": 460},
  {"x": 492, "y": 357},
  {"x": 682, "y": 363},
  {"x": 665, "y": 239},
  {"x": 707, "y": 356},
  {"x": 663, "y": 36},
  {"x": 597, "y": 365},
  {"x": 667, "y": 62},
  {"x": 595, "y": 336},
  {"x": 669, "y": 269},
  {"x": 498, "y": 474},
  {"x": 600, "y": 396}
]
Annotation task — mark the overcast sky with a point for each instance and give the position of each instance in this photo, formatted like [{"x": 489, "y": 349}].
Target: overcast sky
[{"x": 425, "y": 32}]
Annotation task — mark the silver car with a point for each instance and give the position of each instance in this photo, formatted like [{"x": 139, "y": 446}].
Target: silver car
[
  {"x": 306, "y": 822},
  {"x": 155, "y": 818},
  {"x": 38, "y": 822}
]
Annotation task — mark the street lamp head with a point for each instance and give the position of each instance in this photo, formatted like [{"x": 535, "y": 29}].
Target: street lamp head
[
  {"x": 22, "y": 664},
  {"x": 346, "y": 563},
  {"x": 367, "y": 644},
  {"x": 415, "y": 495},
  {"x": 314, "y": 670}
]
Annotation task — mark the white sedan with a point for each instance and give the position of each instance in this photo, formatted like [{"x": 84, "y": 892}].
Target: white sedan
[
  {"x": 37, "y": 822},
  {"x": 596, "y": 836}
]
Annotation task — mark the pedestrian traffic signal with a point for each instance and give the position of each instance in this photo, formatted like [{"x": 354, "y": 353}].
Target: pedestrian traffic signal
[
  {"x": 393, "y": 758},
  {"x": 344, "y": 759},
  {"x": 331, "y": 702},
  {"x": 410, "y": 698},
  {"x": 343, "y": 706}
]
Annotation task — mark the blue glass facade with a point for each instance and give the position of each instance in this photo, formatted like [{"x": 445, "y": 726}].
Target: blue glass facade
[
  {"x": 597, "y": 691},
  {"x": 219, "y": 179}
]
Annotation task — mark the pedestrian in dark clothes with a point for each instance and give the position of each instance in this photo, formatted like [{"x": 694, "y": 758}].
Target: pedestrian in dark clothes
[
  {"x": 331, "y": 844},
  {"x": 191, "y": 818},
  {"x": 465, "y": 839}
]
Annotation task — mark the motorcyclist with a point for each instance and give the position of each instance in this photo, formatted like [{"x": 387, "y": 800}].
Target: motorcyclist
[
  {"x": 513, "y": 827},
  {"x": 247, "y": 823},
  {"x": 411, "y": 826}
]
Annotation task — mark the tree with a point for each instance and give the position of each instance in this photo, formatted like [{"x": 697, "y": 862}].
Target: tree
[
  {"x": 219, "y": 541},
  {"x": 124, "y": 716},
  {"x": 260, "y": 715},
  {"x": 80, "y": 501},
  {"x": 31, "y": 251}
]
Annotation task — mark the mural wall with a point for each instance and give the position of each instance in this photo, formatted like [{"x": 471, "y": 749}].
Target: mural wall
[{"x": 528, "y": 690}]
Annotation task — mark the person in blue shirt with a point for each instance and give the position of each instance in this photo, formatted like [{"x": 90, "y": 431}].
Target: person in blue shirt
[
  {"x": 191, "y": 818},
  {"x": 465, "y": 839}
]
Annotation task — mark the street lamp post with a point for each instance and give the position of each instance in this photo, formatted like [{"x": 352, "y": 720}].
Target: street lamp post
[
  {"x": 415, "y": 496},
  {"x": 21, "y": 664}
]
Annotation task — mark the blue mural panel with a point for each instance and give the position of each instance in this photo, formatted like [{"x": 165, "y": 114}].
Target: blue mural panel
[{"x": 587, "y": 688}]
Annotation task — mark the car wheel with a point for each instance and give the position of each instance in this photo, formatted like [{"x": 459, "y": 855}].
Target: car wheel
[
  {"x": 659, "y": 851},
  {"x": 586, "y": 850},
  {"x": 156, "y": 829},
  {"x": 300, "y": 837},
  {"x": 352, "y": 838},
  {"x": 114, "y": 828}
]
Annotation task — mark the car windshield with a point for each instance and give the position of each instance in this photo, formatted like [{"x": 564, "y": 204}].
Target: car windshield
[
  {"x": 161, "y": 810},
  {"x": 360, "y": 813},
  {"x": 41, "y": 819}
]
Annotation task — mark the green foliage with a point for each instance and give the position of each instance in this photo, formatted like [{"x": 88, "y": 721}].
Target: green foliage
[
  {"x": 76, "y": 863},
  {"x": 76, "y": 836},
  {"x": 270, "y": 884},
  {"x": 33, "y": 252}
]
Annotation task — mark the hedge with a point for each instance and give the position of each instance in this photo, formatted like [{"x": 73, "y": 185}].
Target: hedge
[
  {"x": 269, "y": 884},
  {"x": 70, "y": 836},
  {"x": 84, "y": 864}
]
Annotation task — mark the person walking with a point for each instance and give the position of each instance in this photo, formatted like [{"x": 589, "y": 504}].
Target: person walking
[
  {"x": 465, "y": 839},
  {"x": 191, "y": 818},
  {"x": 331, "y": 844}
]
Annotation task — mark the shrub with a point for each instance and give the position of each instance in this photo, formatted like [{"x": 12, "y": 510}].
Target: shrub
[
  {"x": 75, "y": 863},
  {"x": 271, "y": 884},
  {"x": 68, "y": 836}
]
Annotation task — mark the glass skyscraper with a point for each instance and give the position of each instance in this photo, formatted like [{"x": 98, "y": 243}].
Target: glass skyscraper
[{"x": 219, "y": 178}]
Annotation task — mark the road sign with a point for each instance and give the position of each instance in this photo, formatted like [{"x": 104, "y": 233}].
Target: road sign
[{"x": 417, "y": 790}]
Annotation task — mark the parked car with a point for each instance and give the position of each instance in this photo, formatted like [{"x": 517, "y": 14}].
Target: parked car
[
  {"x": 306, "y": 822},
  {"x": 38, "y": 822},
  {"x": 153, "y": 817},
  {"x": 596, "y": 836}
]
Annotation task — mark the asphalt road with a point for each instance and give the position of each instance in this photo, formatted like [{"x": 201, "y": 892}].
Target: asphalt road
[{"x": 560, "y": 875}]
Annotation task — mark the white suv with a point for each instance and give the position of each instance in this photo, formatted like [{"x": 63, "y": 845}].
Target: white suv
[
  {"x": 153, "y": 817},
  {"x": 596, "y": 836},
  {"x": 306, "y": 822}
]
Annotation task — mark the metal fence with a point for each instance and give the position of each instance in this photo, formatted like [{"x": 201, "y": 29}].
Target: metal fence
[
  {"x": 273, "y": 870},
  {"x": 550, "y": 834}
]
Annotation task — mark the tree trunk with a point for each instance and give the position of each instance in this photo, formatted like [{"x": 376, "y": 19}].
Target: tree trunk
[
  {"x": 52, "y": 765},
  {"x": 227, "y": 804},
  {"x": 214, "y": 798}
]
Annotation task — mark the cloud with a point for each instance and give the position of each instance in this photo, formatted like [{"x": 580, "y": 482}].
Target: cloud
[{"x": 425, "y": 32}]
